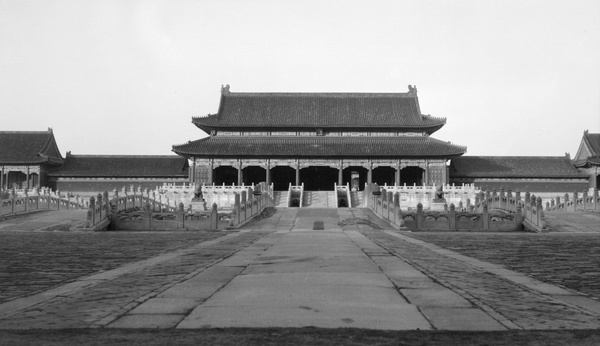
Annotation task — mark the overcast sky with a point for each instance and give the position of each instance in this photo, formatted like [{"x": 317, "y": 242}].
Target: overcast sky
[{"x": 126, "y": 77}]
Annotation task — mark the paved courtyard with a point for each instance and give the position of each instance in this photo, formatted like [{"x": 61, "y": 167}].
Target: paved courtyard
[{"x": 300, "y": 267}]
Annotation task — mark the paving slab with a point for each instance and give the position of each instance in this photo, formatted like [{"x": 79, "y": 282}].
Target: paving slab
[{"x": 461, "y": 319}]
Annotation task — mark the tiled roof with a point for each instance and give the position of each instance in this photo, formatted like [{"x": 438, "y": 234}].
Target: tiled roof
[
  {"x": 557, "y": 185},
  {"x": 28, "y": 147},
  {"x": 594, "y": 141},
  {"x": 514, "y": 166},
  {"x": 318, "y": 146},
  {"x": 122, "y": 166},
  {"x": 591, "y": 143},
  {"x": 319, "y": 110}
]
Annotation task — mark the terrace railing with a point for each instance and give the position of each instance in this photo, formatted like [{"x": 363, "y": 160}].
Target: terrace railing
[
  {"x": 14, "y": 204},
  {"x": 575, "y": 203}
]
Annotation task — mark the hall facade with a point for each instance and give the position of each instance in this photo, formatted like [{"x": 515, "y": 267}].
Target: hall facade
[{"x": 318, "y": 140}]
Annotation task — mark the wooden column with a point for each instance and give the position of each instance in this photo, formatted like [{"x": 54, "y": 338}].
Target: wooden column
[
  {"x": 27, "y": 179},
  {"x": 370, "y": 173},
  {"x": 193, "y": 176},
  {"x": 426, "y": 174},
  {"x": 240, "y": 177},
  {"x": 1, "y": 178},
  {"x": 297, "y": 173},
  {"x": 397, "y": 178},
  {"x": 340, "y": 174},
  {"x": 211, "y": 172},
  {"x": 268, "y": 173}
]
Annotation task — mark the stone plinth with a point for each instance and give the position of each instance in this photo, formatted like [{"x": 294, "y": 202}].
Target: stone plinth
[
  {"x": 437, "y": 206},
  {"x": 198, "y": 205}
]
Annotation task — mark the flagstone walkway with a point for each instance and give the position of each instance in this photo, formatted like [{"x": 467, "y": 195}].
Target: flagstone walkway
[{"x": 300, "y": 267}]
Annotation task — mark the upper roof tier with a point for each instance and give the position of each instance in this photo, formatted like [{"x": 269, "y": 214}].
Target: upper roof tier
[
  {"x": 29, "y": 148},
  {"x": 328, "y": 111}
]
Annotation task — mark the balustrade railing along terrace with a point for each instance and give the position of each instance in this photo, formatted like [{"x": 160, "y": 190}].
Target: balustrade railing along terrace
[
  {"x": 575, "y": 203},
  {"x": 33, "y": 200}
]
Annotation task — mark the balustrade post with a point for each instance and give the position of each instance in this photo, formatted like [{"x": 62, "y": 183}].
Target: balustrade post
[
  {"x": 485, "y": 217},
  {"x": 452, "y": 217},
  {"x": 390, "y": 204},
  {"x": 237, "y": 208},
  {"x": 91, "y": 214},
  {"x": 106, "y": 204},
  {"x": 518, "y": 218},
  {"x": 419, "y": 216},
  {"x": 99, "y": 203},
  {"x": 180, "y": 216},
  {"x": 26, "y": 199},
  {"x": 540, "y": 213}
]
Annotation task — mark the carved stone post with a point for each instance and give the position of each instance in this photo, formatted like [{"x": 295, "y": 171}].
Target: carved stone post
[
  {"x": 214, "y": 217},
  {"x": 485, "y": 217},
  {"x": 237, "y": 209},
  {"x": 99, "y": 203},
  {"x": 91, "y": 214},
  {"x": 106, "y": 203},
  {"x": 419, "y": 216},
  {"x": 180, "y": 216},
  {"x": 452, "y": 217}
]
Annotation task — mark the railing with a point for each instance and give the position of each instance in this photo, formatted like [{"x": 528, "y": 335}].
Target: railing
[
  {"x": 410, "y": 196},
  {"x": 348, "y": 193},
  {"x": 575, "y": 203},
  {"x": 513, "y": 215},
  {"x": 246, "y": 208},
  {"x": 138, "y": 211},
  {"x": 40, "y": 200}
]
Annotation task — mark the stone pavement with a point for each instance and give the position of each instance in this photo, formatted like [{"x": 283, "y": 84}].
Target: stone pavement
[
  {"x": 60, "y": 220},
  {"x": 588, "y": 221},
  {"x": 300, "y": 267}
]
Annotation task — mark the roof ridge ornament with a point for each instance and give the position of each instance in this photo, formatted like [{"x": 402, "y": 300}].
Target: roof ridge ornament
[
  {"x": 412, "y": 89},
  {"x": 225, "y": 89}
]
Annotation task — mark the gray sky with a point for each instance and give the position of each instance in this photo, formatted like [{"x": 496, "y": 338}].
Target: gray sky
[{"x": 126, "y": 77}]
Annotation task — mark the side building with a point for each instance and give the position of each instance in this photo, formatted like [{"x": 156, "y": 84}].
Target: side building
[
  {"x": 547, "y": 176},
  {"x": 26, "y": 157},
  {"x": 91, "y": 174},
  {"x": 587, "y": 158},
  {"x": 319, "y": 139}
]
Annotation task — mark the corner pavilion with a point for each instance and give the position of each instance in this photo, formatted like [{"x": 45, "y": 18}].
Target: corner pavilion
[{"x": 319, "y": 139}]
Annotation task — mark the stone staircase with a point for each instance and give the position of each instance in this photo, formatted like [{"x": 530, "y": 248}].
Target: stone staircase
[
  {"x": 356, "y": 198},
  {"x": 280, "y": 199},
  {"x": 319, "y": 199}
]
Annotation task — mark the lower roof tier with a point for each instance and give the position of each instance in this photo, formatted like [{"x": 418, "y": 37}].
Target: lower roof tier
[{"x": 318, "y": 146}]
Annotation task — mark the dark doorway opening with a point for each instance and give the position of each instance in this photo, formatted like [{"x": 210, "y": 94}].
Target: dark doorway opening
[
  {"x": 282, "y": 177},
  {"x": 227, "y": 175},
  {"x": 254, "y": 175},
  {"x": 319, "y": 178},
  {"x": 356, "y": 176},
  {"x": 411, "y": 175},
  {"x": 384, "y": 175},
  {"x": 597, "y": 182}
]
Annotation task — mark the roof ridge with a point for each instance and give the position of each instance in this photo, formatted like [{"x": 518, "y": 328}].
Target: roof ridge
[
  {"x": 320, "y": 94},
  {"x": 122, "y": 156}
]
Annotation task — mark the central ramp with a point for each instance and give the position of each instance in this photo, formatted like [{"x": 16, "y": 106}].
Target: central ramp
[{"x": 309, "y": 278}]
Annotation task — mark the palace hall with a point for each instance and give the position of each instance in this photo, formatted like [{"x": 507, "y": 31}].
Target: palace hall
[{"x": 319, "y": 139}]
